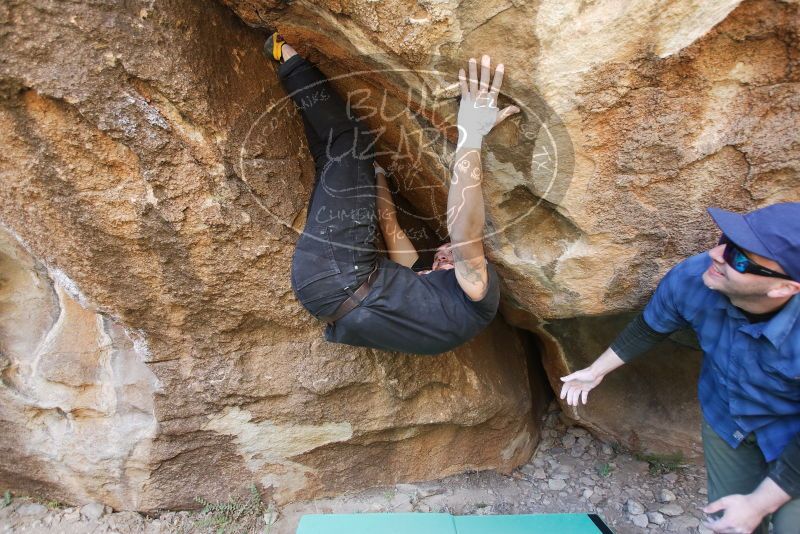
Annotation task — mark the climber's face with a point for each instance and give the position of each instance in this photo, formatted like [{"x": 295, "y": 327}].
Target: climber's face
[{"x": 443, "y": 259}]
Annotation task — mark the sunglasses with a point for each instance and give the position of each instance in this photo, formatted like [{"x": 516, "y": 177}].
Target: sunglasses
[{"x": 736, "y": 258}]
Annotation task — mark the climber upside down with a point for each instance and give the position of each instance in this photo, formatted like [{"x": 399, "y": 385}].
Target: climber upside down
[
  {"x": 337, "y": 273},
  {"x": 741, "y": 297}
]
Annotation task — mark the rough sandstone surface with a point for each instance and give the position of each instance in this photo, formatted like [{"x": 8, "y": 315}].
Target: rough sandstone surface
[
  {"x": 148, "y": 227},
  {"x": 658, "y": 111},
  {"x": 152, "y": 349}
]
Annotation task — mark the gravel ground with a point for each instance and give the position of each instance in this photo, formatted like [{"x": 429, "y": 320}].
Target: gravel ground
[{"x": 570, "y": 472}]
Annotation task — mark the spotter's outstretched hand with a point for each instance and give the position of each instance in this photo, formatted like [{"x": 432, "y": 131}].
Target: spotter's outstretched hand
[
  {"x": 577, "y": 386},
  {"x": 478, "y": 112}
]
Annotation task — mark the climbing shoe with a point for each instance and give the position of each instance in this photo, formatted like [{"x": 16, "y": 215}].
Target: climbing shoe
[{"x": 273, "y": 47}]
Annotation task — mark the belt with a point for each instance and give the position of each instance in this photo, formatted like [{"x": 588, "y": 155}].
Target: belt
[{"x": 353, "y": 300}]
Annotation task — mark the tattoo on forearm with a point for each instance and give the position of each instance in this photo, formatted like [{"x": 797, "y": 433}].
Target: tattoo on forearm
[{"x": 467, "y": 269}]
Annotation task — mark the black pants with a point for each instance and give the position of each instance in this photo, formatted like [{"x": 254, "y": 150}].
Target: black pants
[{"x": 336, "y": 251}]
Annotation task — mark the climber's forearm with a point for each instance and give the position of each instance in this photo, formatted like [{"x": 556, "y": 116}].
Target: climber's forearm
[
  {"x": 465, "y": 210},
  {"x": 398, "y": 245},
  {"x": 385, "y": 205}
]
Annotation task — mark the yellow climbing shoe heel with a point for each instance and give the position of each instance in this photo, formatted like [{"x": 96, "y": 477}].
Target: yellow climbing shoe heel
[{"x": 277, "y": 44}]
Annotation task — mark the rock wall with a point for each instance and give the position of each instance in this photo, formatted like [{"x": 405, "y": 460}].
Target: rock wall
[
  {"x": 664, "y": 107},
  {"x": 77, "y": 412},
  {"x": 637, "y": 116},
  {"x": 152, "y": 349},
  {"x": 146, "y": 201}
]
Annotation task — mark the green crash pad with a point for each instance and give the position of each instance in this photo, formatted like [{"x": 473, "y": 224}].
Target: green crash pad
[{"x": 419, "y": 523}]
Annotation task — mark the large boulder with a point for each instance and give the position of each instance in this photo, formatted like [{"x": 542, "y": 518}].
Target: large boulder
[
  {"x": 154, "y": 181},
  {"x": 77, "y": 397},
  {"x": 655, "y": 110},
  {"x": 637, "y": 116},
  {"x": 151, "y": 348}
]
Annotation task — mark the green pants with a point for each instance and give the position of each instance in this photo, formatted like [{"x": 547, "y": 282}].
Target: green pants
[{"x": 739, "y": 471}]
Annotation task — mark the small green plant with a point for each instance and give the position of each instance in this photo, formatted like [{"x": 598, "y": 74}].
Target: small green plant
[
  {"x": 662, "y": 463},
  {"x": 7, "y": 498},
  {"x": 389, "y": 495},
  {"x": 481, "y": 505},
  {"x": 233, "y": 514},
  {"x": 604, "y": 470},
  {"x": 52, "y": 504}
]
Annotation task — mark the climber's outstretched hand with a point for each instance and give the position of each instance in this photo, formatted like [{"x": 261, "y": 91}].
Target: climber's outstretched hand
[{"x": 478, "y": 112}]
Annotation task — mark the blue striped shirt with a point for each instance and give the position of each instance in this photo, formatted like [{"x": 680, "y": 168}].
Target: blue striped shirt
[{"x": 750, "y": 379}]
